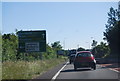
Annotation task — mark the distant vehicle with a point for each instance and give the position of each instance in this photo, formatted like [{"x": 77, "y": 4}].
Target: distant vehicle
[
  {"x": 73, "y": 51},
  {"x": 60, "y": 52},
  {"x": 71, "y": 58},
  {"x": 72, "y": 54},
  {"x": 84, "y": 59}
]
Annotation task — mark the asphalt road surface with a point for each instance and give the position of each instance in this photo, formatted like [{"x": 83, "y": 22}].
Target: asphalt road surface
[{"x": 68, "y": 72}]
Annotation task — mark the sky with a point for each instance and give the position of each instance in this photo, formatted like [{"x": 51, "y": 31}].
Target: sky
[
  {"x": 0, "y": 17},
  {"x": 74, "y": 24}
]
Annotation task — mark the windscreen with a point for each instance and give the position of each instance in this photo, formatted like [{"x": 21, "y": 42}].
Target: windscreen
[{"x": 84, "y": 54}]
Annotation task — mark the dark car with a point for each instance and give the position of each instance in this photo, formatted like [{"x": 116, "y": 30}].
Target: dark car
[
  {"x": 71, "y": 58},
  {"x": 71, "y": 55},
  {"x": 84, "y": 59}
]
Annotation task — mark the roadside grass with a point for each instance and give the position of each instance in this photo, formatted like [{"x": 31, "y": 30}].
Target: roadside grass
[{"x": 27, "y": 70}]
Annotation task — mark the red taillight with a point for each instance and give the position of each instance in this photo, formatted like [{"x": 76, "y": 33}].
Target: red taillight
[{"x": 92, "y": 58}]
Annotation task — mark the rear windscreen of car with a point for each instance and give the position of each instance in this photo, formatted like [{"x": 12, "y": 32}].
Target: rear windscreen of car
[{"x": 84, "y": 54}]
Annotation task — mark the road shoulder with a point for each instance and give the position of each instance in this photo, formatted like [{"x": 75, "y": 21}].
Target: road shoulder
[
  {"x": 49, "y": 74},
  {"x": 112, "y": 66}
]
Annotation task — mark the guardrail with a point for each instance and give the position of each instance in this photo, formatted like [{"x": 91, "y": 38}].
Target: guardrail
[{"x": 108, "y": 60}]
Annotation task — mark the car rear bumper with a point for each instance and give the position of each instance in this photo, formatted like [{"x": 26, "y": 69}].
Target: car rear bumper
[{"x": 83, "y": 64}]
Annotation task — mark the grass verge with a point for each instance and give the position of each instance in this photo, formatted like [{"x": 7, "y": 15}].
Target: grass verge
[{"x": 27, "y": 70}]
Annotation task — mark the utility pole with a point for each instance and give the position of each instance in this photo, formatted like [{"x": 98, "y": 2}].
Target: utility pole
[
  {"x": 64, "y": 43},
  {"x": 78, "y": 46},
  {"x": 91, "y": 43}
]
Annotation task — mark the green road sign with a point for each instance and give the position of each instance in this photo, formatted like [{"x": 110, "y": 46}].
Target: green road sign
[{"x": 32, "y": 41}]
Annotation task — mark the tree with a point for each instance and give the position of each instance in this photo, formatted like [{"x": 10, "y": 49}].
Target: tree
[
  {"x": 94, "y": 43},
  {"x": 112, "y": 32},
  {"x": 80, "y": 49},
  {"x": 56, "y": 45},
  {"x": 9, "y": 46},
  {"x": 50, "y": 53},
  {"x": 101, "y": 50}
]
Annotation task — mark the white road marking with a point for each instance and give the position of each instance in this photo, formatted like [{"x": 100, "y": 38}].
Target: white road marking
[
  {"x": 55, "y": 76},
  {"x": 114, "y": 70},
  {"x": 100, "y": 66},
  {"x": 109, "y": 68}
]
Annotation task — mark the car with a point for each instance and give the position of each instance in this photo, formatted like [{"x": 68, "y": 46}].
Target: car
[
  {"x": 84, "y": 59},
  {"x": 71, "y": 58},
  {"x": 71, "y": 55}
]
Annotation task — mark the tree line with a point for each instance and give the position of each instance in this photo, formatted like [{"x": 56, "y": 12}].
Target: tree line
[
  {"x": 10, "y": 50},
  {"x": 111, "y": 35},
  {"x": 112, "y": 32}
]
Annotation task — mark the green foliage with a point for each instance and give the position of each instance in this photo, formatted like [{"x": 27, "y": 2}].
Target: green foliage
[
  {"x": 27, "y": 70},
  {"x": 56, "y": 45},
  {"x": 112, "y": 32},
  {"x": 26, "y": 65},
  {"x": 66, "y": 52},
  {"x": 101, "y": 51},
  {"x": 94, "y": 43},
  {"x": 10, "y": 46},
  {"x": 50, "y": 53},
  {"x": 0, "y": 47},
  {"x": 80, "y": 49}
]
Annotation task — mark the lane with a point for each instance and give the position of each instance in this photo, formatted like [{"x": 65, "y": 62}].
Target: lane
[{"x": 85, "y": 73}]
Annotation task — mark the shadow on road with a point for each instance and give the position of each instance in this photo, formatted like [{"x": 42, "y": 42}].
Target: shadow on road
[{"x": 72, "y": 70}]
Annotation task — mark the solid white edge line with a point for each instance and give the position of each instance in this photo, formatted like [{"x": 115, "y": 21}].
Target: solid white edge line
[{"x": 55, "y": 76}]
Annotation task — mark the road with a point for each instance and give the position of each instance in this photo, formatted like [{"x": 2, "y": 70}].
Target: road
[
  {"x": 85, "y": 73},
  {"x": 67, "y": 73}
]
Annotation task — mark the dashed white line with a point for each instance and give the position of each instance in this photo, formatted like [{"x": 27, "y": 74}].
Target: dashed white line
[{"x": 55, "y": 76}]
